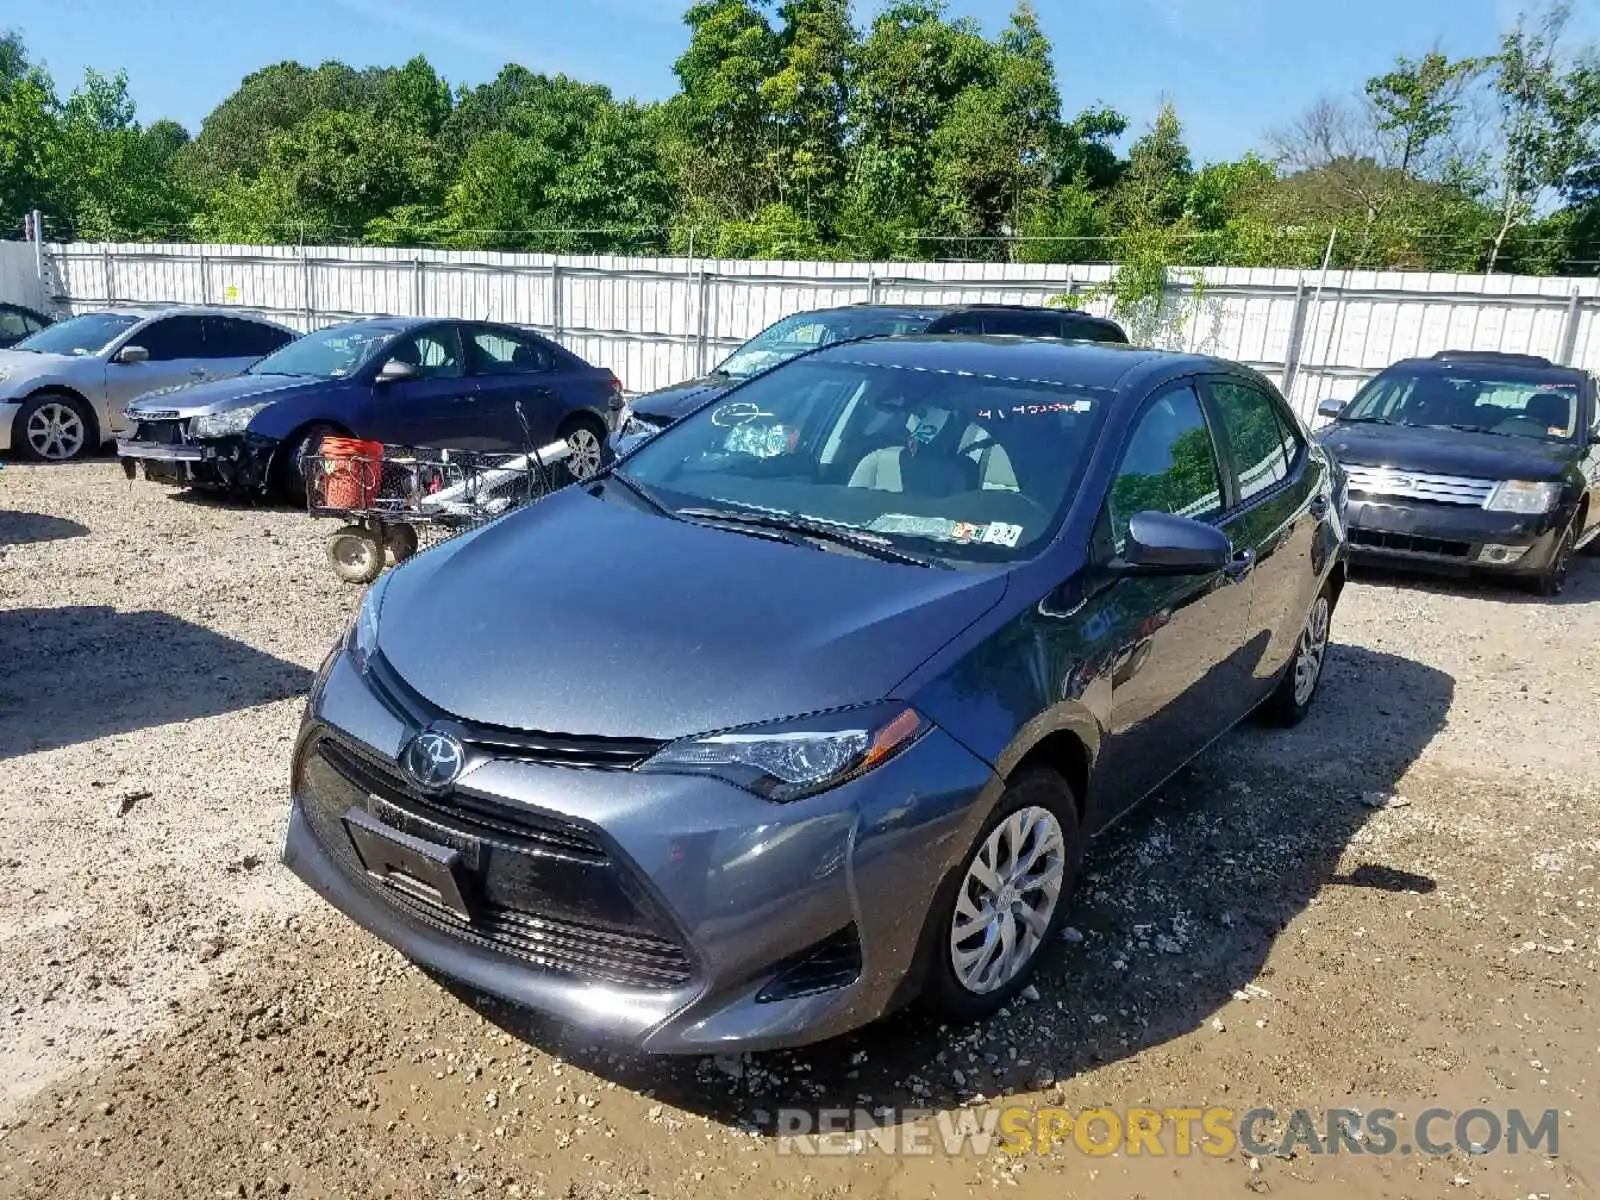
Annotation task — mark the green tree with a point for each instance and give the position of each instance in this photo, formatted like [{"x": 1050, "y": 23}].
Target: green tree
[
  {"x": 1418, "y": 103},
  {"x": 727, "y": 144},
  {"x": 1155, "y": 188},
  {"x": 805, "y": 99}
]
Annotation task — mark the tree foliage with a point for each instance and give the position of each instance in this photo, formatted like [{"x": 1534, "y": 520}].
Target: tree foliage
[{"x": 795, "y": 132}]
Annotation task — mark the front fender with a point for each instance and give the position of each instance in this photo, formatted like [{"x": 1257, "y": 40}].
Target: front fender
[{"x": 338, "y": 404}]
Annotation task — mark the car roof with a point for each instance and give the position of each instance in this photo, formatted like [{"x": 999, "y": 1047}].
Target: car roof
[
  {"x": 181, "y": 310},
  {"x": 1490, "y": 363},
  {"x": 1086, "y": 364},
  {"x": 933, "y": 311}
]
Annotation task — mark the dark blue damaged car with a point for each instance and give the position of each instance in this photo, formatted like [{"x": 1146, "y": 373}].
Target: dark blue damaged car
[{"x": 852, "y": 665}]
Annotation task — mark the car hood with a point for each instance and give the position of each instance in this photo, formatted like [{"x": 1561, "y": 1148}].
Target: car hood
[
  {"x": 21, "y": 369},
  {"x": 1438, "y": 451},
  {"x": 673, "y": 402},
  {"x": 219, "y": 395},
  {"x": 582, "y": 616}
]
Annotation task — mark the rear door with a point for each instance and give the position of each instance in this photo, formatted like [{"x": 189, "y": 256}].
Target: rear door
[
  {"x": 232, "y": 344},
  {"x": 1274, "y": 493},
  {"x": 176, "y": 346},
  {"x": 438, "y": 407},
  {"x": 512, "y": 368},
  {"x": 1176, "y": 669}
]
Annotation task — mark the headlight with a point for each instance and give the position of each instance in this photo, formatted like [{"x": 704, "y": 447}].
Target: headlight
[
  {"x": 362, "y": 638},
  {"x": 788, "y": 760},
  {"x": 1520, "y": 496},
  {"x": 233, "y": 420},
  {"x": 5, "y": 373}
]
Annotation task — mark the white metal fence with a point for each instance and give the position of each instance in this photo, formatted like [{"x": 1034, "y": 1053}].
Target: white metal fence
[{"x": 655, "y": 321}]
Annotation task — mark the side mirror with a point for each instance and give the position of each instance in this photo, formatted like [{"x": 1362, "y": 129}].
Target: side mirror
[
  {"x": 133, "y": 354},
  {"x": 1159, "y": 543},
  {"x": 394, "y": 371},
  {"x": 1330, "y": 408}
]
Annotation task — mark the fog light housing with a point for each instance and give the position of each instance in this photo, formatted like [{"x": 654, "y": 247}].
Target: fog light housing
[{"x": 1501, "y": 555}]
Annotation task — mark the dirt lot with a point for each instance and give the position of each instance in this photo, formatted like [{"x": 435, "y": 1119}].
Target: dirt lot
[{"x": 1393, "y": 905}]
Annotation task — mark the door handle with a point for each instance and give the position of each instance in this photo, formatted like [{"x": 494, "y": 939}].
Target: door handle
[{"x": 1240, "y": 565}]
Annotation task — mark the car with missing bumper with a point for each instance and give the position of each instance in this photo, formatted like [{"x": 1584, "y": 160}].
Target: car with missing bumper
[
  {"x": 1471, "y": 461},
  {"x": 855, "y": 662},
  {"x": 63, "y": 389},
  {"x": 424, "y": 382},
  {"x": 806, "y": 331}
]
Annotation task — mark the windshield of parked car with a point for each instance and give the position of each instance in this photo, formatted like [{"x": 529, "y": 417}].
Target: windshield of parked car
[
  {"x": 328, "y": 353},
  {"x": 806, "y": 331},
  {"x": 1513, "y": 402},
  {"x": 79, "y": 336},
  {"x": 963, "y": 466}
]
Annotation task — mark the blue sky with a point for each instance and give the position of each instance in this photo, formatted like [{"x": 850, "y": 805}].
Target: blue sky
[{"x": 1234, "y": 68}]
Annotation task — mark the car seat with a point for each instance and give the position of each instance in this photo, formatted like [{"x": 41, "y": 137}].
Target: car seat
[{"x": 1551, "y": 410}]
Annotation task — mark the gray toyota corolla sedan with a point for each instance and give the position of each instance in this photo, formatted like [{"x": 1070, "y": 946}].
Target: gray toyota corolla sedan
[{"x": 808, "y": 706}]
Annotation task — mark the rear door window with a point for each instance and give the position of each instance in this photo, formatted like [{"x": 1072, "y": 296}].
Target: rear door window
[
  {"x": 228, "y": 337},
  {"x": 1023, "y": 324},
  {"x": 13, "y": 323},
  {"x": 1255, "y": 434},
  {"x": 505, "y": 352},
  {"x": 172, "y": 338}
]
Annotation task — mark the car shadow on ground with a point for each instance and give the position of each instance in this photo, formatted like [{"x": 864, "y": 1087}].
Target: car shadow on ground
[
  {"x": 29, "y": 528},
  {"x": 1583, "y": 583},
  {"x": 1177, "y": 911},
  {"x": 76, "y": 673},
  {"x": 234, "y": 501}
]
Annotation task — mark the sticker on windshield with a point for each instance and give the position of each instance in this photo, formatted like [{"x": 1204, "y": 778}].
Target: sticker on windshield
[
  {"x": 738, "y": 412},
  {"x": 1035, "y": 410},
  {"x": 997, "y": 533},
  {"x": 993, "y": 533}
]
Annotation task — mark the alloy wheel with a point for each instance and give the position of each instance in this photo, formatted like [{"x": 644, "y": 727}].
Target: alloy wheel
[
  {"x": 1312, "y": 649},
  {"x": 55, "y": 431},
  {"x": 1007, "y": 900},
  {"x": 586, "y": 452}
]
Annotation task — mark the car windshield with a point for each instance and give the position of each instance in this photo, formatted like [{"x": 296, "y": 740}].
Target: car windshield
[
  {"x": 328, "y": 353},
  {"x": 961, "y": 466},
  {"x": 79, "y": 336},
  {"x": 1530, "y": 403},
  {"x": 806, "y": 331}
]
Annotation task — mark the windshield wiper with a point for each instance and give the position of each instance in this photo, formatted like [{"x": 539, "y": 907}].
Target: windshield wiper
[
  {"x": 1368, "y": 421},
  {"x": 644, "y": 493},
  {"x": 842, "y": 535},
  {"x": 1481, "y": 429}
]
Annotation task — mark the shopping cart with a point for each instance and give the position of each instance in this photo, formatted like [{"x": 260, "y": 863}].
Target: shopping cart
[{"x": 392, "y": 498}]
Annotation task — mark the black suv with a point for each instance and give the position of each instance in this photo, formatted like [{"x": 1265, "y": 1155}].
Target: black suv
[
  {"x": 820, "y": 327},
  {"x": 1471, "y": 461}
]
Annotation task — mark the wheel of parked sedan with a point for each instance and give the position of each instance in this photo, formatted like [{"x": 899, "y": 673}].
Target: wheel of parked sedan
[
  {"x": 51, "y": 428},
  {"x": 1009, "y": 900},
  {"x": 1291, "y": 699},
  {"x": 587, "y": 452},
  {"x": 1554, "y": 580},
  {"x": 355, "y": 554}
]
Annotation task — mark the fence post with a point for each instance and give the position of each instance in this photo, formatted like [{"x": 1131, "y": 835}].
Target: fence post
[
  {"x": 308, "y": 282},
  {"x": 701, "y": 333},
  {"x": 1569, "y": 329},
  {"x": 557, "y": 309},
  {"x": 205, "y": 279},
  {"x": 416, "y": 287},
  {"x": 872, "y": 284},
  {"x": 38, "y": 247},
  {"x": 1297, "y": 331},
  {"x": 106, "y": 265}
]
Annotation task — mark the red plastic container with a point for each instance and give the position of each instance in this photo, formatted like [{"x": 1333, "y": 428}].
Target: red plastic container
[{"x": 352, "y": 469}]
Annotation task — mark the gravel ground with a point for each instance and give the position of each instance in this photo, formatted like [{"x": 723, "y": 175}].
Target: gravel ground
[{"x": 1393, "y": 904}]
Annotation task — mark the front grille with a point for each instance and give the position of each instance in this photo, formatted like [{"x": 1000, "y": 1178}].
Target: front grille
[
  {"x": 540, "y": 889},
  {"x": 1415, "y": 485},
  {"x": 520, "y": 745},
  {"x": 503, "y": 824},
  {"x": 1407, "y": 543},
  {"x": 151, "y": 428},
  {"x": 156, "y": 414}
]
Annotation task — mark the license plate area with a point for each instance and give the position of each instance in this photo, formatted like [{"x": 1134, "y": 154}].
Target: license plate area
[{"x": 425, "y": 870}]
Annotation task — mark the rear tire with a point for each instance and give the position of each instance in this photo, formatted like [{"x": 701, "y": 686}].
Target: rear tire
[
  {"x": 401, "y": 541},
  {"x": 586, "y": 439},
  {"x": 1009, "y": 900},
  {"x": 355, "y": 554},
  {"x": 1291, "y": 699},
  {"x": 53, "y": 427}
]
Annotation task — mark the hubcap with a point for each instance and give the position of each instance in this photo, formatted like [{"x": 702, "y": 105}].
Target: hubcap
[
  {"x": 354, "y": 552},
  {"x": 55, "y": 431},
  {"x": 1313, "y": 647},
  {"x": 1007, "y": 899},
  {"x": 584, "y": 461}
]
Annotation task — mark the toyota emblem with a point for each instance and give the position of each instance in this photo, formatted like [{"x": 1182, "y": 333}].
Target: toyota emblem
[{"x": 434, "y": 759}]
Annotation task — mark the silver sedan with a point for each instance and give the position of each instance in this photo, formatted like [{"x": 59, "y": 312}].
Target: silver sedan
[{"x": 63, "y": 389}]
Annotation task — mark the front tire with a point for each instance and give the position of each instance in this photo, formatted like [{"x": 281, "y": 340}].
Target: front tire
[
  {"x": 1009, "y": 901},
  {"x": 290, "y": 469},
  {"x": 52, "y": 427},
  {"x": 1553, "y": 581},
  {"x": 1291, "y": 699}
]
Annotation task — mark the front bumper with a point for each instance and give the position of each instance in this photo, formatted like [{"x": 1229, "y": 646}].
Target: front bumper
[
  {"x": 236, "y": 462},
  {"x": 1453, "y": 538},
  {"x": 721, "y": 892}
]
